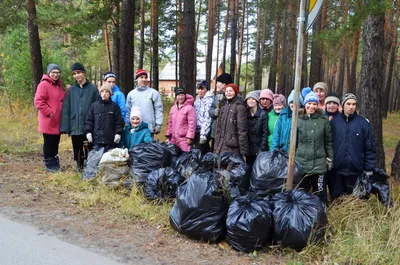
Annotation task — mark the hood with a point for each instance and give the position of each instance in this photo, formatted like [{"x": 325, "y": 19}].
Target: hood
[
  {"x": 286, "y": 112},
  {"x": 115, "y": 88},
  {"x": 189, "y": 100},
  {"x": 48, "y": 79}
]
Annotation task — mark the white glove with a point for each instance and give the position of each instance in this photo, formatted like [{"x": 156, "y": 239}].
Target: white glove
[
  {"x": 89, "y": 137},
  {"x": 117, "y": 138},
  {"x": 203, "y": 139},
  {"x": 220, "y": 96},
  {"x": 329, "y": 164},
  {"x": 216, "y": 112},
  {"x": 368, "y": 173},
  {"x": 157, "y": 129}
]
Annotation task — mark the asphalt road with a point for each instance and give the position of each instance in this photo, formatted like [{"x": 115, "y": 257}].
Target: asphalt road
[{"x": 22, "y": 244}]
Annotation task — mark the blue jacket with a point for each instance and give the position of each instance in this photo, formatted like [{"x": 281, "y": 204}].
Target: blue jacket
[
  {"x": 119, "y": 98},
  {"x": 140, "y": 135},
  {"x": 281, "y": 136},
  {"x": 354, "y": 146}
]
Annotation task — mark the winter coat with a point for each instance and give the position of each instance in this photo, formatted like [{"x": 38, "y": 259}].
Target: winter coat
[
  {"x": 119, "y": 98},
  {"x": 104, "y": 121},
  {"x": 182, "y": 124},
  {"x": 76, "y": 105},
  {"x": 355, "y": 148},
  {"x": 281, "y": 136},
  {"x": 272, "y": 120},
  {"x": 211, "y": 112},
  {"x": 232, "y": 128},
  {"x": 257, "y": 131},
  {"x": 332, "y": 116},
  {"x": 48, "y": 100},
  {"x": 314, "y": 142},
  {"x": 150, "y": 103},
  {"x": 140, "y": 134},
  {"x": 202, "y": 106}
]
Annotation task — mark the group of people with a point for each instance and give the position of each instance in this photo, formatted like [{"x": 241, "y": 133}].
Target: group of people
[{"x": 334, "y": 144}]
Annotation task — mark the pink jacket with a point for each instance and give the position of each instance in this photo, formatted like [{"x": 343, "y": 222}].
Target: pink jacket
[
  {"x": 49, "y": 98},
  {"x": 182, "y": 124}
]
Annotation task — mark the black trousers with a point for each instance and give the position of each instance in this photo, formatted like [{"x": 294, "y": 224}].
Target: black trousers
[
  {"x": 250, "y": 159},
  {"x": 80, "y": 151},
  {"x": 50, "y": 145},
  {"x": 317, "y": 183},
  {"x": 344, "y": 184},
  {"x": 204, "y": 148}
]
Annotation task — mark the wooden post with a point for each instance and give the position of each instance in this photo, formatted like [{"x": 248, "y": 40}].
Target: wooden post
[
  {"x": 108, "y": 50},
  {"x": 299, "y": 59}
]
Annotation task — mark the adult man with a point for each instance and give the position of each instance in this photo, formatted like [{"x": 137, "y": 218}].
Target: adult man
[
  {"x": 148, "y": 100},
  {"x": 354, "y": 146},
  {"x": 77, "y": 102},
  {"x": 117, "y": 96}
]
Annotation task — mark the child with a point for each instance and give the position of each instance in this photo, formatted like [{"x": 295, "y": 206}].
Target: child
[
  {"x": 104, "y": 123},
  {"x": 136, "y": 132}
]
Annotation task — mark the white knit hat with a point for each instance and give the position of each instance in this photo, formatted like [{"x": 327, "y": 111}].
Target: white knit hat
[{"x": 136, "y": 112}]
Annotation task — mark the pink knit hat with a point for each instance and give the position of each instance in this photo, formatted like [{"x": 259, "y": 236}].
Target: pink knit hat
[
  {"x": 279, "y": 99},
  {"x": 267, "y": 93}
]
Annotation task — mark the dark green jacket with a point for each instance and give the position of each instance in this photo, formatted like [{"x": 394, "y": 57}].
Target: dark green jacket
[
  {"x": 76, "y": 106},
  {"x": 314, "y": 142}
]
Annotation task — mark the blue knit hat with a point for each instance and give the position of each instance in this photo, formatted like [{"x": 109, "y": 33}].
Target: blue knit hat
[
  {"x": 311, "y": 97},
  {"x": 305, "y": 91},
  {"x": 291, "y": 98}
]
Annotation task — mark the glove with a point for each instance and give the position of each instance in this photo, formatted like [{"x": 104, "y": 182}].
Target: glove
[
  {"x": 329, "y": 164},
  {"x": 220, "y": 96},
  {"x": 203, "y": 139},
  {"x": 117, "y": 138},
  {"x": 368, "y": 173},
  {"x": 157, "y": 129},
  {"x": 216, "y": 113},
  {"x": 89, "y": 137}
]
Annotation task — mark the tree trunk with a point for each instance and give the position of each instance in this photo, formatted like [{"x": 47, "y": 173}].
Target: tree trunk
[
  {"x": 225, "y": 38},
  {"x": 274, "y": 60},
  {"x": 371, "y": 78},
  {"x": 34, "y": 44},
  {"x": 115, "y": 40},
  {"x": 257, "y": 66},
  {"x": 264, "y": 33},
  {"x": 186, "y": 69},
  {"x": 196, "y": 35},
  {"x": 108, "y": 50},
  {"x": 210, "y": 38},
  {"x": 237, "y": 82},
  {"x": 316, "y": 54},
  {"x": 154, "y": 34},
  {"x": 395, "y": 172},
  {"x": 234, "y": 11},
  {"x": 179, "y": 43},
  {"x": 142, "y": 22},
  {"x": 126, "y": 45}
]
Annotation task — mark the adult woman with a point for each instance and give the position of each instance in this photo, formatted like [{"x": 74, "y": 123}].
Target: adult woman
[
  {"x": 315, "y": 146},
  {"x": 321, "y": 89},
  {"x": 279, "y": 104},
  {"x": 48, "y": 100},
  {"x": 181, "y": 128},
  {"x": 232, "y": 125},
  {"x": 257, "y": 124}
]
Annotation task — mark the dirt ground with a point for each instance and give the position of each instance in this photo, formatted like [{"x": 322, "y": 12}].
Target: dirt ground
[{"x": 25, "y": 197}]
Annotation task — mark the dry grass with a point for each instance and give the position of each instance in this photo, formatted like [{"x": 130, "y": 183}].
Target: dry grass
[{"x": 361, "y": 232}]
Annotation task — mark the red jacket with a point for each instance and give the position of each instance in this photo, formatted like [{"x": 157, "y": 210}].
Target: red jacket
[
  {"x": 49, "y": 98},
  {"x": 182, "y": 124}
]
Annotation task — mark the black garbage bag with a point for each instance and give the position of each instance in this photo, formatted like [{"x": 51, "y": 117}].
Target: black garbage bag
[
  {"x": 297, "y": 216},
  {"x": 174, "y": 149},
  {"x": 188, "y": 162},
  {"x": 238, "y": 170},
  {"x": 270, "y": 172},
  {"x": 249, "y": 223},
  {"x": 209, "y": 161},
  {"x": 163, "y": 183},
  {"x": 380, "y": 186},
  {"x": 147, "y": 157},
  {"x": 92, "y": 163},
  {"x": 200, "y": 207},
  {"x": 362, "y": 189}
]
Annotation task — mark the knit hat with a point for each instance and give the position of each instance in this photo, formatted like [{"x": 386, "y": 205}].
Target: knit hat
[
  {"x": 52, "y": 67},
  {"x": 253, "y": 94},
  {"x": 321, "y": 85},
  {"x": 279, "y": 99},
  {"x": 347, "y": 97},
  {"x": 107, "y": 87},
  {"x": 235, "y": 88},
  {"x": 108, "y": 74},
  {"x": 311, "y": 97},
  {"x": 291, "y": 98},
  {"x": 140, "y": 72},
  {"x": 202, "y": 83},
  {"x": 267, "y": 93},
  {"x": 305, "y": 91},
  {"x": 225, "y": 78},
  {"x": 332, "y": 97},
  {"x": 179, "y": 90},
  {"x": 78, "y": 67},
  {"x": 135, "y": 112}
]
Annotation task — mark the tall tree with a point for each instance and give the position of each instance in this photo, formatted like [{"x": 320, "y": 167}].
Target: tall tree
[
  {"x": 241, "y": 40},
  {"x": 126, "y": 45},
  {"x": 225, "y": 38},
  {"x": 257, "y": 59},
  {"x": 142, "y": 22},
  {"x": 234, "y": 21},
  {"x": 34, "y": 44},
  {"x": 186, "y": 68},
  {"x": 154, "y": 35},
  {"x": 210, "y": 37},
  {"x": 115, "y": 38},
  {"x": 371, "y": 76},
  {"x": 274, "y": 58}
]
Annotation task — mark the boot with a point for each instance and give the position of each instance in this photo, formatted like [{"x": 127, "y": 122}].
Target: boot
[
  {"x": 51, "y": 164},
  {"x": 80, "y": 164}
]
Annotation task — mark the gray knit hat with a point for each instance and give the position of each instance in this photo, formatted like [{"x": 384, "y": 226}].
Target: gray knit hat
[
  {"x": 253, "y": 94},
  {"x": 347, "y": 97},
  {"x": 52, "y": 67}
]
